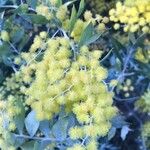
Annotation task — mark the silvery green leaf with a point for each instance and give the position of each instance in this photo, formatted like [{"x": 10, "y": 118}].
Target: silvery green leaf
[
  {"x": 124, "y": 131},
  {"x": 45, "y": 127},
  {"x": 59, "y": 130},
  {"x": 111, "y": 133},
  {"x": 31, "y": 123}
]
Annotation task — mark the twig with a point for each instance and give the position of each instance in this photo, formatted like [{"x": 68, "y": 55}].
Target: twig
[
  {"x": 38, "y": 138},
  {"x": 55, "y": 33},
  {"x": 34, "y": 57},
  {"x": 72, "y": 46},
  {"x": 15, "y": 7},
  {"x": 14, "y": 48},
  {"x": 126, "y": 99},
  {"x": 62, "y": 92}
]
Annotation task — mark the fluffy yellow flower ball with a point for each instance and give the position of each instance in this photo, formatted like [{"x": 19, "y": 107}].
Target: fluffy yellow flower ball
[
  {"x": 44, "y": 11},
  {"x": 4, "y": 36},
  {"x": 134, "y": 15}
]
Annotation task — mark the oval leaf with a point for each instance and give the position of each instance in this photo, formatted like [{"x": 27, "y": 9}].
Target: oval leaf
[
  {"x": 31, "y": 123},
  {"x": 124, "y": 131},
  {"x": 59, "y": 129}
]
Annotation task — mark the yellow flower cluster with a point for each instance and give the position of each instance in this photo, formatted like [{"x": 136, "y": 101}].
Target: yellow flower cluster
[
  {"x": 144, "y": 103},
  {"x": 61, "y": 13},
  {"x": 78, "y": 29},
  {"x": 98, "y": 21},
  {"x": 12, "y": 104},
  {"x": 49, "y": 71},
  {"x": 140, "y": 56},
  {"x": 12, "y": 93},
  {"x": 77, "y": 85},
  {"x": 134, "y": 15},
  {"x": 4, "y": 36},
  {"x": 44, "y": 11},
  {"x": 126, "y": 87}
]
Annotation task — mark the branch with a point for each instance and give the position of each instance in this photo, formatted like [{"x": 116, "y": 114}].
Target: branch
[
  {"x": 15, "y": 7},
  {"x": 38, "y": 138}
]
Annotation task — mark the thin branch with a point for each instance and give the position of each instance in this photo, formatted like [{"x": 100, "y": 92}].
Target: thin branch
[
  {"x": 126, "y": 99},
  {"x": 71, "y": 44},
  {"x": 62, "y": 92},
  {"x": 13, "y": 47},
  {"x": 38, "y": 138},
  {"x": 34, "y": 57},
  {"x": 15, "y": 7}
]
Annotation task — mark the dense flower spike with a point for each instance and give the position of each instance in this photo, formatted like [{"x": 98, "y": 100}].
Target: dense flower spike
[
  {"x": 76, "y": 85},
  {"x": 133, "y": 15}
]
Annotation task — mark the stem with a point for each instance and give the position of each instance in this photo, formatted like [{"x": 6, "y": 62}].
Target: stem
[
  {"x": 34, "y": 57},
  {"x": 38, "y": 138},
  {"x": 126, "y": 99},
  {"x": 63, "y": 92},
  {"x": 15, "y": 7},
  {"x": 14, "y": 48},
  {"x": 71, "y": 44}
]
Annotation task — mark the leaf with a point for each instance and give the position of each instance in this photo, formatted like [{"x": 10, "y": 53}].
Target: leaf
[
  {"x": 124, "y": 131},
  {"x": 19, "y": 119},
  {"x": 13, "y": 140},
  {"x": 31, "y": 123},
  {"x": 23, "y": 8},
  {"x": 23, "y": 42},
  {"x": 45, "y": 127},
  {"x": 139, "y": 41},
  {"x": 28, "y": 145},
  {"x": 32, "y": 3},
  {"x": 4, "y": 50},
  {"x": 37, "y": 146},
  {"x": 118, "y": 47},
  {"x": 73, "y": 18},
  {"x": 143, "y": 69},
  {"x": 132, "y": 37},
  {"x": 34, "y": 18},
  {"x": 59, "y": 129},
  {"x": 44, "y": 144},
  {"x": 2, "y": 2},
  {"x": 86, "y": 34},
  {"x": 92, "y": 39},
  {"x": 18, "y": 141},
  {"x": 17, "y": 35},
  {"x": 59, "y": 3},
  {"x": 71, "y": 121},
  {"x": 118, "y": 121},
  {"x": 111, "y": 133},
  {"x": 69, "y": 3},
  {"x": 81, "y": 7}
]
